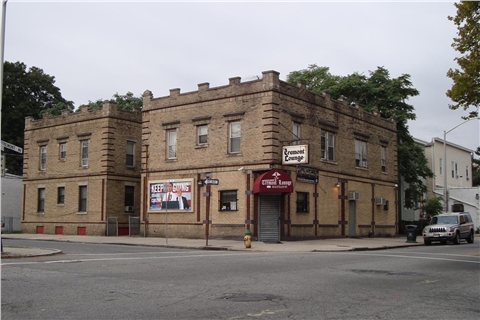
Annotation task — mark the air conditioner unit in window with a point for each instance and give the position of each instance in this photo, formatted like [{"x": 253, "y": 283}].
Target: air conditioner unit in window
[
  {"x": 380, "y": 201},
  {"x": 129, "y": 209},
  {"x": 352, "y": 195}
]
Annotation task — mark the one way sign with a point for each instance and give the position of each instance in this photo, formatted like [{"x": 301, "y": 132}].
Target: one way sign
[{"x": 211, "y": 182}]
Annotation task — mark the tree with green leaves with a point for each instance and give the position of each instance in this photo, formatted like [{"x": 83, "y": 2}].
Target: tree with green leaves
[
  {"x": 124, "y": 102},
  {"x": 378, "y": 92},
  {"x": 465, "y": 91},
  {"x": 432, "y": 207},
  {"x": 26, "y": 93}
]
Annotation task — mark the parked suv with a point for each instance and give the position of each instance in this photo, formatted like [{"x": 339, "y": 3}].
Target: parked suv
[{"x": 451, "y": 226}]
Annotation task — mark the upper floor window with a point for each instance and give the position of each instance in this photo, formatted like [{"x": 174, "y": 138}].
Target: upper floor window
[
  {"x": 302, "y": 202},
  {"x": 440, "y": 164},
  {"x": 61, "y": 195},
  {"x": 43, "y": 157},
  {"x": 82, "y": 198},
  {"x": 296, "y": 133},
  {"x": 62, "y": 147},
  {"x": 327, "y": 146},
  {"x": 234, "y": 137},
  {"x": 130, "y": 161},
  {"x": 228, "y": 200},
  {"x": 202, "y": 134},
  {"x": 172, "y": 144},
  {"x": 41, "y": 200},
  {"x": 467, "y": 173},
  {"x": 384, "y": 159},
  {"x": 454, "y": 170},
  {"x": 84, "y": 153},
  {"x": 360, "y": 154}
]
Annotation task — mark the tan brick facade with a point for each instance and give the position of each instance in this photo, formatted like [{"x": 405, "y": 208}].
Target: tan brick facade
[
  {"x": 233, "y": 133},
  {"x": 104, "y": 173},
  {"x": 266, "y": 110}
]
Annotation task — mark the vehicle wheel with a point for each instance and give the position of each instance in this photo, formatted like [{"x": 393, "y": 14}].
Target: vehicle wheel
[
  {"x": 456, "y": 240},
  {"x": 426, "y": 242},
  {"x": 470, "y": 238}
]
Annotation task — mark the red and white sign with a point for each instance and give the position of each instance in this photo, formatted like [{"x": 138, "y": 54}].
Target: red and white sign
[{"x": 273, "y": 181}]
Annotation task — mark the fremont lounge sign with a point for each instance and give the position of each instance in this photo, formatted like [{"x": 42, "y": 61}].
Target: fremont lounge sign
[{"x": 295, "y": 154}]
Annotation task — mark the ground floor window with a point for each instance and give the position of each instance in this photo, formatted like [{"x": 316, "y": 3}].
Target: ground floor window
[
  {"x": 82, "y": 199},
  {"x": 302, "y": 202},
  {"x": 228, "y": 200}
]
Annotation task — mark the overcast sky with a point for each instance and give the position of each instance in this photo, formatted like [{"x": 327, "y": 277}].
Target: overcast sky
[{"x": 95, "y": 49}]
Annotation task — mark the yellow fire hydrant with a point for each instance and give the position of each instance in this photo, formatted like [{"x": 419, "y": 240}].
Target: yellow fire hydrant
[{"x": 248, "y": 239}]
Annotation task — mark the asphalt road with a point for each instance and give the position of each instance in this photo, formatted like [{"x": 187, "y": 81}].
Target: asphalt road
[{"x": 91, "y": 281}]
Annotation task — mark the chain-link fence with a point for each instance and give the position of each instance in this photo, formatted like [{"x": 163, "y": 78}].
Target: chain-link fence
[{"x": 133, "y": 226}]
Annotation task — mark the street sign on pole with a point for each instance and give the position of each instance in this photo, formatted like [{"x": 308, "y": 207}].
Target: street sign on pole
[
  {"x": 11, "y": 147},
  {"x": 211, "y": 182}
]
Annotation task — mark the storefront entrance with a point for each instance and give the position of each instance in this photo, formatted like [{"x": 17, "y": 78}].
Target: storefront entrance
[
  {"x": 269, "y": 218},
  {"x": 270, "y": 186}
]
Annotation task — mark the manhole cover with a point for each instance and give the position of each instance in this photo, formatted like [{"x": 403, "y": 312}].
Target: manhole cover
[{"x": 250, "y": 297}]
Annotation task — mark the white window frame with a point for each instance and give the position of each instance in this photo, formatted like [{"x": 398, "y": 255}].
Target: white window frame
[
  {"x": 234, "y": 136},
  {"x": 361, "y": 154},
  {"x": 202, "y": 134},
  {"x": 130, "y": 154},
  {"x": 43, "y": 158},
  {"x": 84, "y": 145},
  {"x": 327, "y": 145},
  {"x": 62, "y": 150},
  {"x": 172, "y": 144}
]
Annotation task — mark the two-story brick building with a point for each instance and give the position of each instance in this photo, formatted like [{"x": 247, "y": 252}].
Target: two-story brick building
[
  {"x": 81, "y": 168},
  {"x": 289, "y": 164},
  {"x": 262, "y": 155}
]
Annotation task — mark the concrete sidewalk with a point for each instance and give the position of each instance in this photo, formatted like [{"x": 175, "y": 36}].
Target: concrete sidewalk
[{"x": 322, "y": 245}]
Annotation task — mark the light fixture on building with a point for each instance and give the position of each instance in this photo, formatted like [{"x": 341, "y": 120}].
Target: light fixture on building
[{"x": 337, "y": 184}]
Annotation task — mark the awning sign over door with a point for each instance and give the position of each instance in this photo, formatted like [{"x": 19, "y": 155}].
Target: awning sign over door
[{"x": 273, "y": 181}]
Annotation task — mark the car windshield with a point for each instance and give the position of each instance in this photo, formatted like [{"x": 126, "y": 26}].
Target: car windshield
[{"x": 444, "y": 220}]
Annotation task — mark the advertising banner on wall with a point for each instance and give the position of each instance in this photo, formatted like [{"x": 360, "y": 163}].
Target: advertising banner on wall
[
  {"x": 295, "y": 154},
  {"x": 171, "y": 195}
]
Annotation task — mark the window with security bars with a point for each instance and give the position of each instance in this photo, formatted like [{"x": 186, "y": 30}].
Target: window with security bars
[
  {"x": 302, "y": 202},
  {"x": 228, "y": 200}
]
